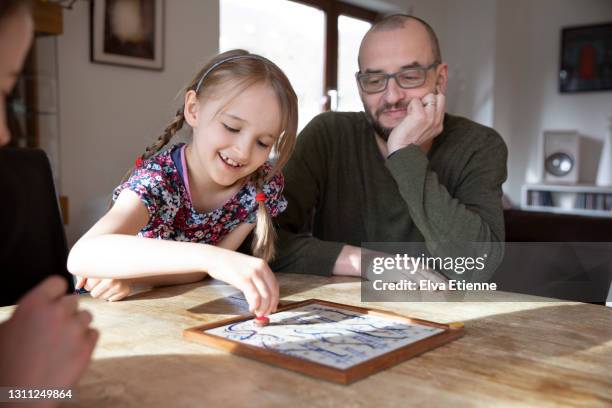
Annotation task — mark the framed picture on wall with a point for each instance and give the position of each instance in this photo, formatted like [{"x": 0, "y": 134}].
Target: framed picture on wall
[
  {"x": 586, "y": 58},
  {"x": 128, "y": 33}
]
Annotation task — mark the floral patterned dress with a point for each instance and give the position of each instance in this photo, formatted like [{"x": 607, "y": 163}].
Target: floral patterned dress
[{"x": 162, "y": 184}]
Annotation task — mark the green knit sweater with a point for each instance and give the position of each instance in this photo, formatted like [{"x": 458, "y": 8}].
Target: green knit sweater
[{"x": 341, "y": 190}]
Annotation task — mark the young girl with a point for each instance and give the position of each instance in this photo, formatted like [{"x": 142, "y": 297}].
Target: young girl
[{"x": 201, "y": 200}]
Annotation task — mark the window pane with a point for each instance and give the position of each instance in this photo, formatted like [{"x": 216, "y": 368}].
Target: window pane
[
  {"x": 350, "y": 33},
  {"x": 288, "y": 33}
]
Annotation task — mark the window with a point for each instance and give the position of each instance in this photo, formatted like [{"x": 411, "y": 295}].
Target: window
[
  {"x": 350, "y": 33},
  {"x": 288, "y": 33},
  {"x": 315, "y": 42}
]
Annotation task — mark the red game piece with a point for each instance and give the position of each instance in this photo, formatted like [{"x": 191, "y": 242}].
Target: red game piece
[{"x": 262, "y": 321}]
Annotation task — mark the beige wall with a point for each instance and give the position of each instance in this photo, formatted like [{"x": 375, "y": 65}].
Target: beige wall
[
  {"x": 527, "y": 100},
  {"x": 108, "y": 114}
]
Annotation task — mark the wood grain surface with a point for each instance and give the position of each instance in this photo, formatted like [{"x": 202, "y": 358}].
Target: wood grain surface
[{"x": 526, "y": 352}]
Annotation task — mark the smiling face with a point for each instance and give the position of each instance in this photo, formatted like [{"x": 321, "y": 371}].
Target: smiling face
[
  {"x": 233, "y": 137},
  {"x": 15, "y": 37},
  {"x": 390, "y": 51}
]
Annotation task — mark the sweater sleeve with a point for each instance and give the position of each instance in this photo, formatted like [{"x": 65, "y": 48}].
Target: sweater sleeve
[
  {"x": 469, "y": 222},
  {"x": 305, "y": 176}
]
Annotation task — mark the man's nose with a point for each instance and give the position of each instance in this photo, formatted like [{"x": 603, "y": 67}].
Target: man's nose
[{"x": 394, "y": 93}]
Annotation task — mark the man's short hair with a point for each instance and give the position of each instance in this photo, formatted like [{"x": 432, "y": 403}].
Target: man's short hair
[{"x": 395, "y": 21}]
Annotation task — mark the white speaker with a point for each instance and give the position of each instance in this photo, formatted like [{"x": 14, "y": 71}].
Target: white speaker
[{"x": 561, "y": 157}]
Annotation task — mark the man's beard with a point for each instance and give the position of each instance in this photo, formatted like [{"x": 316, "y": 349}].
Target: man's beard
[{"x": 381, "y": 130}]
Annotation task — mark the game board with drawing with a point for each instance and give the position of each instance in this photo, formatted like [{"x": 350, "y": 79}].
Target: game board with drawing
[{"x": 327, "y": 337}]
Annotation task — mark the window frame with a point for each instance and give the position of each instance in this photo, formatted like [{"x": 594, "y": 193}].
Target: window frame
[{"x": 333, "y": 9}]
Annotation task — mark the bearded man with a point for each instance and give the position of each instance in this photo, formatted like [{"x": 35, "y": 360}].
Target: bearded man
[{"x": 401, "y": 171}]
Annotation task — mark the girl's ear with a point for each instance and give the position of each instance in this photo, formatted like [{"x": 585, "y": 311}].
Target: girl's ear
[{"x": 192, "y": 108}]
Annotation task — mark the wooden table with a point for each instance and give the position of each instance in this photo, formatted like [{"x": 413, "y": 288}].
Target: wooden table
[{"x": 513, "y": 353}]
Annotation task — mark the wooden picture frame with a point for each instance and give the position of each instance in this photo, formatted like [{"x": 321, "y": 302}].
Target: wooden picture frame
[
  {"x": 341, "y": 376},
  {"x": 127, "y": 33}
]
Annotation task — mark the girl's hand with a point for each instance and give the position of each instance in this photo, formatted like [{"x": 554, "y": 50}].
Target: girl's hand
[
  {"x": 107, "y": 289},
  {"x": 250, "y": 275}
]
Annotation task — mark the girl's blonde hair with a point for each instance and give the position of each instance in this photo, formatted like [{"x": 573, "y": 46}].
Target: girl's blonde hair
[{"x": 240, "y": 69}]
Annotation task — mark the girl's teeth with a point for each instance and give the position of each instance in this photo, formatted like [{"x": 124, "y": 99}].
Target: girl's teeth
[{"x": 230, "y": 161}]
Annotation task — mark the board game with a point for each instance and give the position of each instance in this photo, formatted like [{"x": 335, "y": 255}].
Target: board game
[{"x": 328, "y": 340}]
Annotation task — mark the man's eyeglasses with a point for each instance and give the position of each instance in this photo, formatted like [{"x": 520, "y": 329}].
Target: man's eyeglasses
[{"x": 406, "y": 78}]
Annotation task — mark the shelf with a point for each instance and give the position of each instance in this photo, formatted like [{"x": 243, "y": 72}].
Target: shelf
[
  {"x": 573, "y": 188},
  {"x": 588, "y": 200},
  {"x": 575, "y": 211}
]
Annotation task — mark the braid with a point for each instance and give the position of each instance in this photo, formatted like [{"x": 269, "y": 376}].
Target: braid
[
  {"x": 265, "y": 234},
  {"x": 162, "y": 140}
]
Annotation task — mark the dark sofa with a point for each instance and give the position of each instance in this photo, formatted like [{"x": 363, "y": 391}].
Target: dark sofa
[
  {"x": 532, "y": 226},
  {"x": 557, "y": 255}
]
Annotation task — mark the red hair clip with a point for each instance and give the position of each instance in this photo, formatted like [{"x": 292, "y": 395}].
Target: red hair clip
[
  {"x": 138, "y": 162},
  {"x": 260, "y": 197}
]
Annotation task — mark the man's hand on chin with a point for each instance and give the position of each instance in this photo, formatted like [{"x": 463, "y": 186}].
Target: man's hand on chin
[{"x": 423, "y": 122}]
